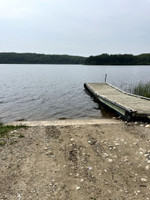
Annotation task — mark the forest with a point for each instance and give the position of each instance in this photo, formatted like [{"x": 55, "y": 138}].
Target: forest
[
  {"x": 118, "y": 59},
  {"x": 103, "y": 59},
  {"x": 33, "y": 58}
]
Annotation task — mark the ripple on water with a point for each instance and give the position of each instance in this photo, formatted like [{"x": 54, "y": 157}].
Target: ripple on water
[{"x": 44, "y": 92}]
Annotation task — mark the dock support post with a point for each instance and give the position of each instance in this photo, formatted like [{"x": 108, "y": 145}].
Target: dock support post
[{"x": 105, "y": 78}]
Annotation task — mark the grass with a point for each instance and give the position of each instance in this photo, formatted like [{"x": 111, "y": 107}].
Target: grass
[
  {"x": 5, "y": 132},
  {"x": 2, "y": 143},
  {"x": 142, "y": 89},
  {"x": 21, "y": 135}
]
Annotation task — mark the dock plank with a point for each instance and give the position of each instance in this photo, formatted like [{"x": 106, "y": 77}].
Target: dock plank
[{"x": 108, "y": 94}]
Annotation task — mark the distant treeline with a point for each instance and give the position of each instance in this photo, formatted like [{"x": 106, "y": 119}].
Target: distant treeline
[
  {"x": 33, "y": 58},
  {"x": 118, "y": 59},
  {"x": 104, "y": 59}
]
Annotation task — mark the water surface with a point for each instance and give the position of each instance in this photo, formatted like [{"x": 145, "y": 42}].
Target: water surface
[{"x": 46, "y": 92}]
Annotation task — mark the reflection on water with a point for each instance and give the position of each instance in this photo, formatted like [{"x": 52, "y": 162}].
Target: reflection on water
[{"x": 44, "y": 92}]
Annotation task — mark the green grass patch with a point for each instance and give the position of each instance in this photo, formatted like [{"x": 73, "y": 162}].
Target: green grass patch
[
  {"x": 5, "y": 133},
  {"x": 142, "y": 89},
  {"x": 4, "y": 130},
  {"x": 2, "y": 143},
  {"x": 21, "y": 135}
]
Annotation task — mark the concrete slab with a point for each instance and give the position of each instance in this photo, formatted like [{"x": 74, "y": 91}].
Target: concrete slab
[{"x": 68, "y": 122}]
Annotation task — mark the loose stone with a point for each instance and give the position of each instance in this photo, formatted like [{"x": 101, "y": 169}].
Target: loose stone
[
  {"x": 105, "y": 155},
  {"x": 147, "y": 126},
  {"x": 147, "y": 167},
  {"x": 77, "y": 188},
  {"x": 141, "y": 153},
  {"x": 141, "y": 125},
  {"x": 110, "y": 160},
  {"x": 144, "y": 180}
]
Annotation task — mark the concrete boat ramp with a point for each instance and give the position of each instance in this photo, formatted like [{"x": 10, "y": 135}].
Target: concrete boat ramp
[
  {"x": 127, "y": 105},
  {"x": 67, "y": 122}
]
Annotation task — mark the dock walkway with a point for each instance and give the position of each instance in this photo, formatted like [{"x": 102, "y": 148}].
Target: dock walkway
[{"x": 128, "y": 105}]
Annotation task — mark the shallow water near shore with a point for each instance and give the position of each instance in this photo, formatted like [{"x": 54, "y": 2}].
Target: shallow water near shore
[{"x": 47, "y": 92}]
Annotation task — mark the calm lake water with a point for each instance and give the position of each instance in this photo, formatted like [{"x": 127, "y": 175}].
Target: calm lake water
[{"x": 46, "y": 92}]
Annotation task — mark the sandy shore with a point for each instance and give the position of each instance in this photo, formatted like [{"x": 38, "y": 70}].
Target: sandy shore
[{"x": 83, "y": 159}]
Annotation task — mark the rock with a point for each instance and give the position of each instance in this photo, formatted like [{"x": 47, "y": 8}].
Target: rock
[
  {"x": 77, "y": 188},
  {"x": 147, "y": 167},
  {"x": 147, "y": 126},
  {"x": 122, "y": 140},
  {"x": 111, "y": 147},
  {"x": 97, "y": 144},
  {"x": 144, "y": 180},
  {"x": 137, "y": 192},
  {"x": 141, "y": 153},
  {"x": 147, "y": 155},
  {"x": 141, "y": 125},
  {"x": 50, "y": 153},
  {"x": 105, "y": 155},
  {"x": 18, "y": 196},
  {"x": 110, "y": 160},
  {"x": 117, "y": 144}
]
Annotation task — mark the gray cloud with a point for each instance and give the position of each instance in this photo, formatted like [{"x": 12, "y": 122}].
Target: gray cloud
[{"x": 85, "y": 27}]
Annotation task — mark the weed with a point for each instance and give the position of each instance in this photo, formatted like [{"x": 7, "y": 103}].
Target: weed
[
  {"x": 13, "y": 142},
  {"x": 21, "y": 135},
  {"x": 142, "y": 89},
  {"x": 2, "y": 143},
  {"x": 4, "y": 130},
  {"x": 5, "y": 133}
]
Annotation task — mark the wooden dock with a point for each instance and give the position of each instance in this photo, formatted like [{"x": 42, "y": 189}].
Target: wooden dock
[{"x": 127, "y": 105}]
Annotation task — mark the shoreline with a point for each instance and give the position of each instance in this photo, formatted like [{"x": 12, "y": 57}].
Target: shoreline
[{"x": 66, "y": 122}]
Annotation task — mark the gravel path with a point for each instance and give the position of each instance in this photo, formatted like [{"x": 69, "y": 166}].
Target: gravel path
[{"x": 92, "y": 162}]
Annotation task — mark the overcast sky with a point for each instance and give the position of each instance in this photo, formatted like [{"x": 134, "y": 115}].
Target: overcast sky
[{"x": 75, "y": 27}]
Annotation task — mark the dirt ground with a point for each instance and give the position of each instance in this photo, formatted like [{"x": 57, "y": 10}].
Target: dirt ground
[{"x": 77, "y": 162}]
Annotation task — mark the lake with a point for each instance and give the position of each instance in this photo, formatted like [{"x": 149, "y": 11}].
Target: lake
[{"x": 47, "y": 92}]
